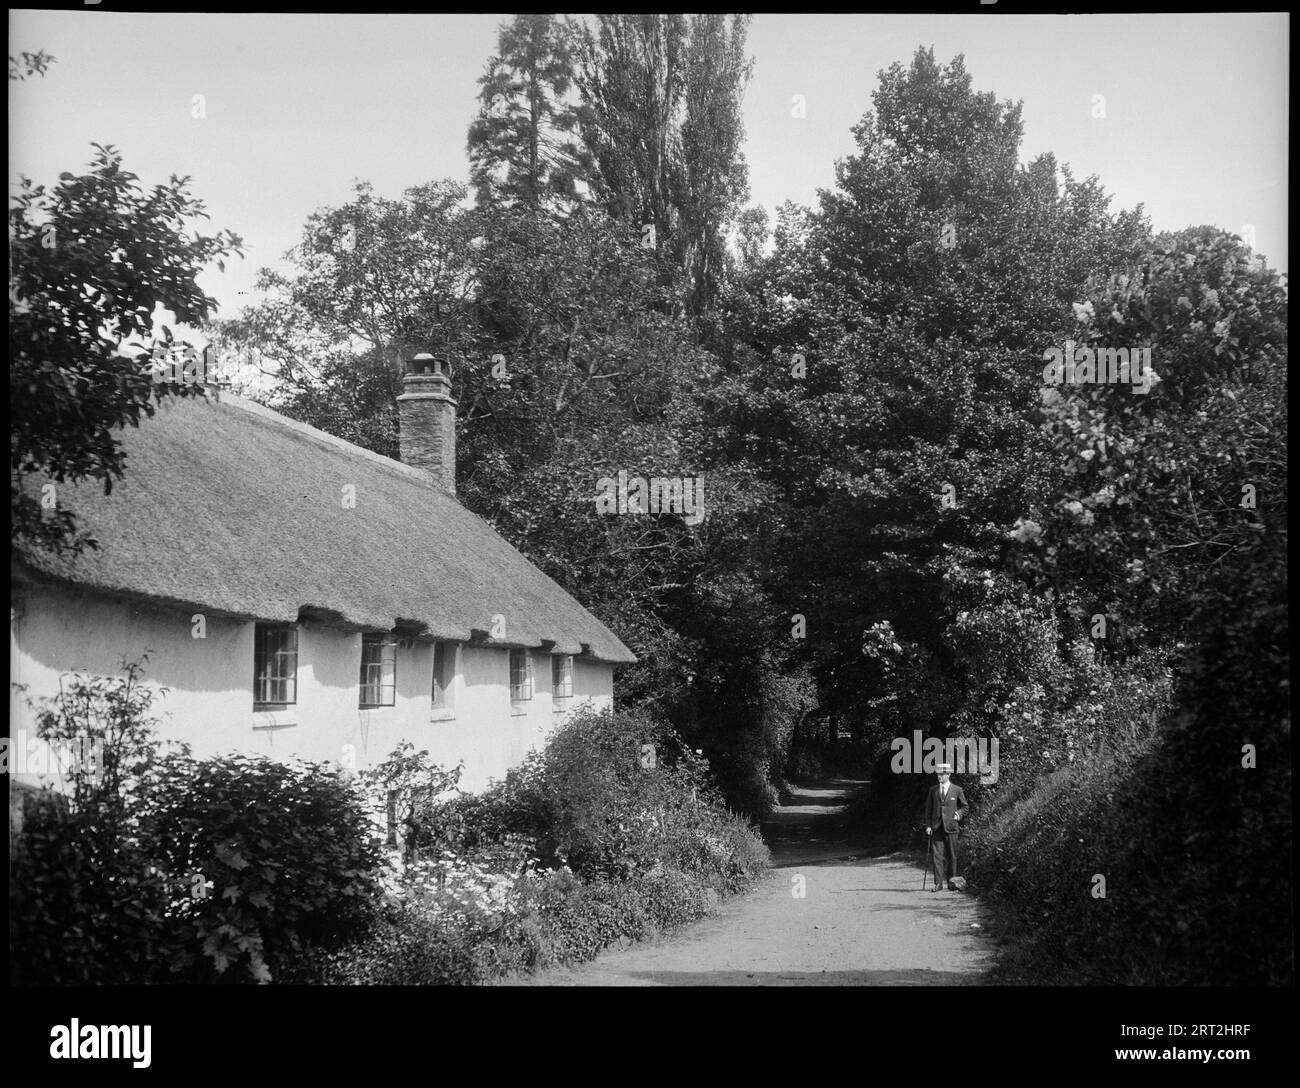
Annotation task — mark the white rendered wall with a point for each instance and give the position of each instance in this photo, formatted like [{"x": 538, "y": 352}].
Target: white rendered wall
[{"x": 210, "y": 702}]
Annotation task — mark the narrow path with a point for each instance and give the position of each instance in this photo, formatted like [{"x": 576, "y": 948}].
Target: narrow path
[{"x": 861, "y": 920}]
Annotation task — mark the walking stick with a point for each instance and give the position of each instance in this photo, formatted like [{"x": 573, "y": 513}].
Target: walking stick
[{"x": 926, "y": 866}]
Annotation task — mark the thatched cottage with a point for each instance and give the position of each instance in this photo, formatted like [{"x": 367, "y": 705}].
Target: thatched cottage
[{"x": 302, "y": 596}]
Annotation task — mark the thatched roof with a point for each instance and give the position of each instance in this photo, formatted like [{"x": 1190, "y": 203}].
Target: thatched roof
[{"x": 230, "y": 508}]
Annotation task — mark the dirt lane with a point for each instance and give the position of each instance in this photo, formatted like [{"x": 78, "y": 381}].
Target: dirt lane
[{"x": 860, "y": 921}]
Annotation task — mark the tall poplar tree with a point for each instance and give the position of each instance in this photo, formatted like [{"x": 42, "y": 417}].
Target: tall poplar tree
[{"x": 660, "y": 116}]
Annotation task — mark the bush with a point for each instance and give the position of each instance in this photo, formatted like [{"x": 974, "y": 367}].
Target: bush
[
  {"x": 87, "y": 904},
  {"x": 164, "y": 868},
  {"x": 614, "y": 817},
  {"x": 1163, "y": 809},
  {"x": 274, "y": 860},
  {"x": 586, "y": 844},
  {"x": 407, "y": 947},
  {"x": 154, "y": 867},
  {"x": 587, "y": 802}
]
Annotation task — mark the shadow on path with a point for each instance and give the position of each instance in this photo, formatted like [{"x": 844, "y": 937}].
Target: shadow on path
[
  {"x": 833, "y": 911},
  {"x": 822, "y": 819}
]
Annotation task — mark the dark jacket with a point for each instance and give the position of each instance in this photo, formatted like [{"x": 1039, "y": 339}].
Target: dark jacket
[{"x": 944, "y": 815}]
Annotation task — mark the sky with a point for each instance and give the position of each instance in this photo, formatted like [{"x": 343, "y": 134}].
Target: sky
[{"x": 297, "y": 107}]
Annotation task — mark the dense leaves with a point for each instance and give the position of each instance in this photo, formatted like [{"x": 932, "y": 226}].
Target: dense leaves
[
  {"x": 522, "y": 146},
  {"x": 90, "y": 259},
  {"x": 613, "y": 833},
  {"x": 154, "y": 867}
]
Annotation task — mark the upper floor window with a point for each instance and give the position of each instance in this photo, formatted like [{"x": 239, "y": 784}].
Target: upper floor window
[
  {"x": 275, "y": 665},
  {"x": 521, "y": 679},
  {"x": 444, "y": 670},
  {"x": 561, "y": 680},
  {"x": 378, "y": 670}
]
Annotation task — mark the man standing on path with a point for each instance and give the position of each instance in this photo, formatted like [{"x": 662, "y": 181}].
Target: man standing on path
[{"x": 943, "y": 812}]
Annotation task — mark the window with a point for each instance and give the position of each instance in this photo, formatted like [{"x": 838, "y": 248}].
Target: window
[
  {"x": 521, "y": 679},
  {"x": 378, "y": 670},
  {"x": 444, "y": 670},
  {"x": 561, "y": 680},
  {"x": 275, "y": 666}
]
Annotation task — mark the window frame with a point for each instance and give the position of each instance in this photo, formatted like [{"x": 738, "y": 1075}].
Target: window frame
[
  {"x": 560, "y": 697},
  {"x": 287, "y": 676},
  {"x": 519, "y": 702},
  {"x": 387, "y": 682}
]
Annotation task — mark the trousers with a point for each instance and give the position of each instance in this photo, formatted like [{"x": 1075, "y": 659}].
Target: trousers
[{"x": 943, "y": 855}]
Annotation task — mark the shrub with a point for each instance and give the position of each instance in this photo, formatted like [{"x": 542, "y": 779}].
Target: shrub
[
  {"x": 405, "y": 783},
  {"x": 284, "y": 857},
  {"x": 582, "y": 846},
  {"x": 408, "y": 946},
  {"x": 152, "y": 867},
  {"x": 87, "y": 903},
  {"x": 588, "y": 802},
  {"x": 613, "y": 817}
]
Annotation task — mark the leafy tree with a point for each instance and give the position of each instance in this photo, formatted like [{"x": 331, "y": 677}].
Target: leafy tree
[
  {"x": 884, "y": 374},
  {"x": 1167, "y": 491},
  {"x": 714, "y": 176},
  {"x": 375, "y": 281},
  {"x": 522, "y": 144},
  {"x": 592, "y": 376},
  {"x": 1169, "y": 521},
  {"x": 90, "y": 261},
  {"x": 660, "y": 116},
  {"x": 631, "y": 80}
]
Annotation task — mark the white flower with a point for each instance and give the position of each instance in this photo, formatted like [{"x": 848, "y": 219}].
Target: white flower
[
  {"x": 1088, "y": 454},
  {"x": 1083, "y": 313}
]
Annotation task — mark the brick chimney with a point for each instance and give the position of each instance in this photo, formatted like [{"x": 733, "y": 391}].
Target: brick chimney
[{"x": 427, "y": 420}]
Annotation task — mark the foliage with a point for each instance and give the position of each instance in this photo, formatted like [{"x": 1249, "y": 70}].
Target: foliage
[
  {"x": 1152, "y": 510},
  {"x": 87, "y": 903},
  {"x": 285, "y": 856},
  {"x": 569, "y": 366},
  {"x": 408, "y": 781},
  {"x": 151, "y": 866},
  {"x": 522, "y": 145},
  {"x": 1152, "y": 528},
  {"x": 29, "y": 64},
  {"x": 588, "y": 802},
  {"x": 583, "y": 846},
  {"x": 660, "y": 116},
  {"x": 90, "y": 259},
  {"x": 408, "y": 947}
]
